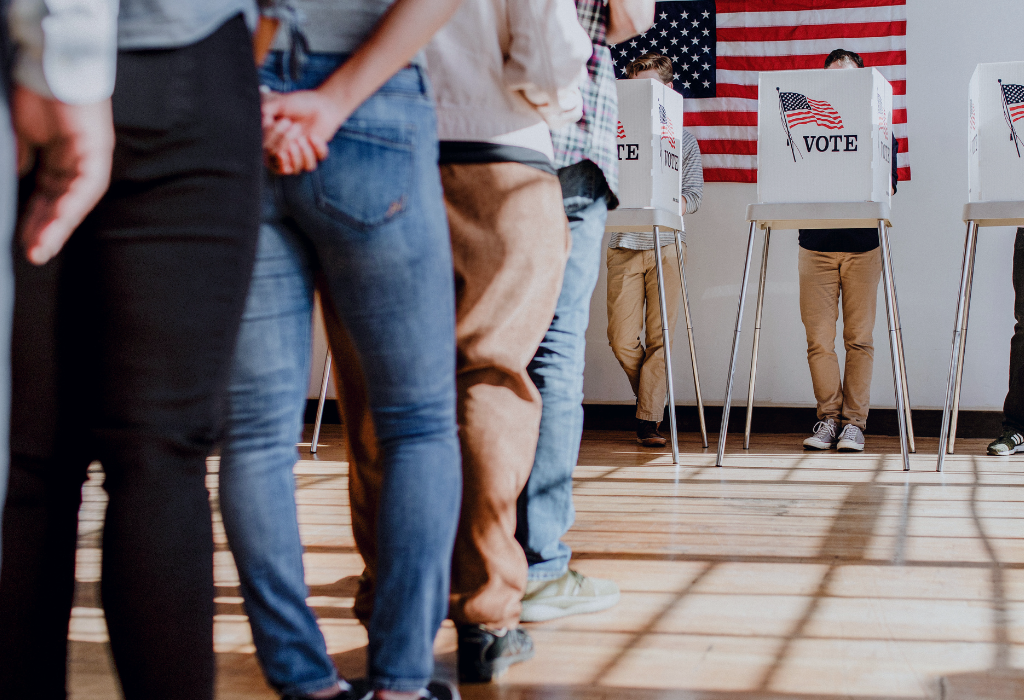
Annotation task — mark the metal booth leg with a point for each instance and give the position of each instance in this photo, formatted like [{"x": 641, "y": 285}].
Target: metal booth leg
[
  {"x": 689, "y": 336},
  {"x": 735, "y": 346},
  {"x": 897, "y": 374},
  {"x": 320, "y": 405},
  {"x": 903, "y": 359},
  {"x": 757, "y": 338},
  {"x": 955, "y": 357},
  {"x": 963, "y": 343},
  {"x": 667, "y": 346}
]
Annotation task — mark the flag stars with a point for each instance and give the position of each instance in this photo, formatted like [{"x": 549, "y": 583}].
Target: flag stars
[
  {"x": 663, "y": 16},
  {"x": 705, "y": 66},
  {"x": 686, "y": 15},
  {"x": 695, "y": 23},
  {"x": 707, "y": 50},
  {"x": 632, "y": 44},
  {"x": 673, "y": 24},
  {"x": 664, "y": 33},
  {"x": 674, "y": 41},
  {"x": 707, "y": 32},
  {"x": 687, "y": 85},
  {"x": 707, "y": 84},
  {"x": 623, "y": 52},
  {"x": 675, "y": 76}
]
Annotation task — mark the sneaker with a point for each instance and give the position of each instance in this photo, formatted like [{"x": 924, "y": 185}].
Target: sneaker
[
  {"x": 484, "y": 654},
  {"x": 572, "y": 594},
  {"x": 851, "y": 439},
  {"x": 435, "y": 690},
  {"x": 824, "y": 436},
  {"x": 647, "y": 434},
  {"x": 1006, "y": 444}
]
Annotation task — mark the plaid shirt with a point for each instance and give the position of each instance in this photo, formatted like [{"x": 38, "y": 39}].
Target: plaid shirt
[{"x": 593, "y": 136}]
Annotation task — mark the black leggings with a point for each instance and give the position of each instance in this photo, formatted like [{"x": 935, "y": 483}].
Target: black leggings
[{"x": 122, "y": 353}]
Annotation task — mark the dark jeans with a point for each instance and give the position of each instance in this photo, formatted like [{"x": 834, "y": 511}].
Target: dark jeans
[
  {"x": 1013, "y": 407},
  {"x": 122, "y": 354}
]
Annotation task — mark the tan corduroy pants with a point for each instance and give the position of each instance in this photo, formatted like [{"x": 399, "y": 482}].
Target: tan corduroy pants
[
  {"x": 510, "y": 243},
  {"x": 824, "y": 279},
  {"x": 633, "y": 303}
]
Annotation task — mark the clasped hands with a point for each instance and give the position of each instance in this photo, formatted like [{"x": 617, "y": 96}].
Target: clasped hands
[{"x": 297, "y": 126}]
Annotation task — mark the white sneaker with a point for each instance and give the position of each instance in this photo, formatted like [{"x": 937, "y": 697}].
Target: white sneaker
[
  {"x": 824, "y": 436},
  {"x": 851, "y": 439},
  {"x": 572, "y": 594}
]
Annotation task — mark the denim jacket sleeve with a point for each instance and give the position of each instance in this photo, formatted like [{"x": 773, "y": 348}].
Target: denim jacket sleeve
[{"x": 65, "y": 49}]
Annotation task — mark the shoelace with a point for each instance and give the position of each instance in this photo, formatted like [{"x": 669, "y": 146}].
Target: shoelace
[
  {"x": 849, "y": 432},
  {"x": 822, "y": 427}
]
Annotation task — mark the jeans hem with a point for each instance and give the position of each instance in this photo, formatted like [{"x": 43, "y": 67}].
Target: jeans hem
[
  {"x": 303, "y": 689},
  {"x": 546, "y": 576}
]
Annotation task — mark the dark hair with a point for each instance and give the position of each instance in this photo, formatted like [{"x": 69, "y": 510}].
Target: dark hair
[
  {"x": 651, "y": 61},
  {"x": 844, "y": 55}
]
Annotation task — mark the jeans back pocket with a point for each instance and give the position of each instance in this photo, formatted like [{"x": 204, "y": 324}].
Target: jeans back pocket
[{"x": 366, "y": 178}]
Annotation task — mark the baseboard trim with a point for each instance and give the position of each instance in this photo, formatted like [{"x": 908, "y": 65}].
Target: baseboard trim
[
  {"x": 782, "y": 419},
  {"x": 775, "y": 419}
]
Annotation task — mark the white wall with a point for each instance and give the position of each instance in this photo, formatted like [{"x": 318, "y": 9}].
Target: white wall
[{"x": 945, "y": 41}]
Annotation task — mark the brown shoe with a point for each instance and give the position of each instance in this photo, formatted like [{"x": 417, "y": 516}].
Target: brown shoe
[{"x": 647, "y": 434}]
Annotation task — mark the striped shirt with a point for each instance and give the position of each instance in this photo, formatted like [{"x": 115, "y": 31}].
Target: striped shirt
[
  {"x": 692, "y": 190},
  {"x": 593, "y": 136}
]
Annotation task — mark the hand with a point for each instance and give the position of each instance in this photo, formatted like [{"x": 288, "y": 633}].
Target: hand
[
  {"x": 72, "y": 148},
  {"x": 297, "y": 127}
]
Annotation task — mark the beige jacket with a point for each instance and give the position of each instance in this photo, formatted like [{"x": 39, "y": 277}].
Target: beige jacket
[{"x": 505, "y": 71}]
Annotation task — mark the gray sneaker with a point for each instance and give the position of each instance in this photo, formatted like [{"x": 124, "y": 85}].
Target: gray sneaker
[
  {"x": 851, "y": 439},
  {"x": 572, "y": 594},
  {"x": 824, "y": 436}
]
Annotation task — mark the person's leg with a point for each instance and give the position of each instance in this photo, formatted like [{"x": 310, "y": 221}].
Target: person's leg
[
  {"x": 626, "y": 311},
  {"x": 510, "y": 240},
  {"x": 653, "y": 386},
  {"x": 545, "y": 506},
  {"x": 374, "y": 212},
  {"x": 859, "y": 274},
  {"x": 163, "y": 267},
  {"x": 267, "y": 400},
  {"x": 819, "y": 311},
  {"x": 1013, "y": 406}
]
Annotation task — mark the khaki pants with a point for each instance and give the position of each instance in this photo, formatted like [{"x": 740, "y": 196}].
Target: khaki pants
[
  {"x": 633, "y": 303},
  {"x": 824, "y": 277},
  {"x": 510, "y": 242}
]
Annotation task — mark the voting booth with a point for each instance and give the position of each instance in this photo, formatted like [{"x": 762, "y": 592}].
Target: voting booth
[
  {"x": 995, "y": 133},
  {"x": 824, "y": 145},
  {"x": 824, "y": 136},
  {"x": 995, "y": 173},
  {"x": 648, "y": 145}
]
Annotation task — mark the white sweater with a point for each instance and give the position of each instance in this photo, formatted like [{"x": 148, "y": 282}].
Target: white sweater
[{"x": 505, "y": 71}]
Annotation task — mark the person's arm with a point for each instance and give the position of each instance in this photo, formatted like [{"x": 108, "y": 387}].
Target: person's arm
[
  {"x": 895, "y": 169},
  {"x": 298, "y": 125},
  {"x": 693, "y": 177},
  {"x": 627, "y": 18},
  {"x": 547, "y": 58},
  {"x": 60, "y": 108}
]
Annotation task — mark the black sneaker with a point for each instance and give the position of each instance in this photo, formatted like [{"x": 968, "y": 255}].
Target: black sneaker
[
  {"x": 1006, "y": 444},
  {"x": 485, "y": 654},
  {"x": 435, "y": 690},
  {"x": 647, "y": 434}
]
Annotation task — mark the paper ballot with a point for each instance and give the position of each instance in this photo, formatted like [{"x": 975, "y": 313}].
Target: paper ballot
[
  {"x": 995, "y": 133},
  {"x": 824, "y": 136},
  {"x": 648, "y": 145}
]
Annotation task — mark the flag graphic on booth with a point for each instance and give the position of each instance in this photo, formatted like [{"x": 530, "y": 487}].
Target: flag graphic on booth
[
  {"x": 798, "y": 109},
  {"x": 668, "y": 132},
  {"x": 718, "y": 47},
  {"x": 620, "y": 133},
  {"x": 1013, "y": 111}
]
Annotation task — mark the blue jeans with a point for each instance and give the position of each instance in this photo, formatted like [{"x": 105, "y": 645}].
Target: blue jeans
[
  {"x": 370, "y": 221},
  {"x": 545, "y": 511}
]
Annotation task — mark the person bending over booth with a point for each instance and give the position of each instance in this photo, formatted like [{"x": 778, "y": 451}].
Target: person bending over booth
[
  {"x": 836, "y": 262},
  {"x": 1012, "y": 439},
  {"x": 633, "y": 282}
]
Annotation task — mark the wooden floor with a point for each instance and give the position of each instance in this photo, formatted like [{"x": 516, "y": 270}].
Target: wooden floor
[{"x": 783, "y": 575}]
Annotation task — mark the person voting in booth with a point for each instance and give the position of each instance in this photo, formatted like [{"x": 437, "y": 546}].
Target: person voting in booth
[
  {"x": 836, "y": 263},
  {"x": 633, "y": 280}
]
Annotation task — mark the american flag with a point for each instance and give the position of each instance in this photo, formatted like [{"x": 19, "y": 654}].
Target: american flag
[
  {"x": 620, "y": 132},
  {"x": 800, "y": 110},
  {"x": 1014, "y": 97},
  {"x": 717, "y": 48},
  {"x": 668, "y": 131},
  {"x": 973, "y": 123}
]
